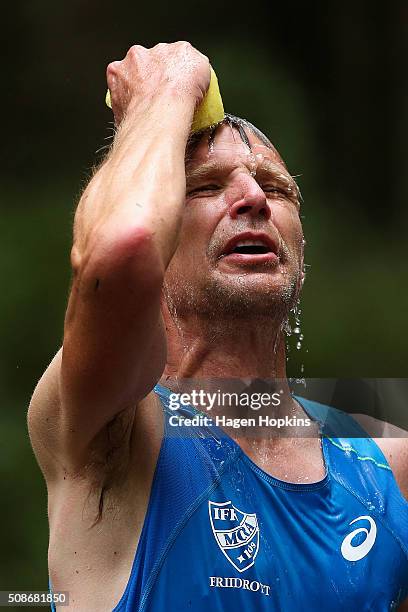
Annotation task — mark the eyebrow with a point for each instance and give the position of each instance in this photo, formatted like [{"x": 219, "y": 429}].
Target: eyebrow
[
  {"x": 211, "y": 167},
  {"x": 270, "y": 167}
]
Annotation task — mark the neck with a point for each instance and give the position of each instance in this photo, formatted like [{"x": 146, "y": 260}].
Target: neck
[
  {"x": 213, "y": 353},
  {"x": 200, "y": 347}
]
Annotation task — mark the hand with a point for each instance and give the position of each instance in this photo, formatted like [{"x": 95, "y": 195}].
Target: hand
[{"x": 147, "y": 74}]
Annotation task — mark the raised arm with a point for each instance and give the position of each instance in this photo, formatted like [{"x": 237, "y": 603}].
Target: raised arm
[{"x": 125, "y": 234}]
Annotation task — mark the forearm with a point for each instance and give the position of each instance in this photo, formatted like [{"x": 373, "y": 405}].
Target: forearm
[
  {"x": 125, "y": 233},
  {"x": 141, "y": 186}
]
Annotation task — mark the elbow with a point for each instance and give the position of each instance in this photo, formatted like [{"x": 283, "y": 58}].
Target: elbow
[{"x": 129, "y": 256}]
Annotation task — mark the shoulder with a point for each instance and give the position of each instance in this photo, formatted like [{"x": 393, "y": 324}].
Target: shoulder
[
  {"x": 396, "y": 452},
  {"x": 393, "y": 442},
  {"x": 114, "y": 449}
]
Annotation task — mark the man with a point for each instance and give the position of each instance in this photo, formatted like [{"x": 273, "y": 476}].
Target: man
[{"x": 185, "y": 266}]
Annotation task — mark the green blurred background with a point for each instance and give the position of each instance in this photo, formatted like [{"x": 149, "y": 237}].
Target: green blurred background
[{"x": 325, "y": 80}]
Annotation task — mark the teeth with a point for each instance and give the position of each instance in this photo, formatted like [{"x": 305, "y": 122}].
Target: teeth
[{"x": 250, "y": 243}]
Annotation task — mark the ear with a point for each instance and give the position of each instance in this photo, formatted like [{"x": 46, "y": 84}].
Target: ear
[
  {"x": 302, "y": 265},
  {"x": 302, "y": 276}
]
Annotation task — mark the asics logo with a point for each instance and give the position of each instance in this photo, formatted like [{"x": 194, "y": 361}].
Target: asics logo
[{"x": 355, "y": 553}]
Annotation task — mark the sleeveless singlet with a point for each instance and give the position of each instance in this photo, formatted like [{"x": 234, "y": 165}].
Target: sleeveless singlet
[{"x": 222, "y": 535}]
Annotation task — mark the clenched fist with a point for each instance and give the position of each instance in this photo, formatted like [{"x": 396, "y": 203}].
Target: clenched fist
[{"x": 147, "y": 74}]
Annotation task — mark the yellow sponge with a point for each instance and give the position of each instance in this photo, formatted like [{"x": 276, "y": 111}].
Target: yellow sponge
[{"x": 210, "y": 111}]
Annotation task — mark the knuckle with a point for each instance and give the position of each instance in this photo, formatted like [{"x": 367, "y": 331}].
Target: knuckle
[
  {"x": 134, "y": 50},
  {"x": 162, "y": 49},
  {"x": 185, "y": 43},
  {"x": 112, "y": 69},
  {"x": 204, "y": 57}
]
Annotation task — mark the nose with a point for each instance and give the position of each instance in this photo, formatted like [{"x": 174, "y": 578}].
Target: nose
[{"x": 253, "y": 202}]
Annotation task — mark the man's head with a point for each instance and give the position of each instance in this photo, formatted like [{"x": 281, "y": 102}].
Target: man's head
[{"x": 241, "y": 242}]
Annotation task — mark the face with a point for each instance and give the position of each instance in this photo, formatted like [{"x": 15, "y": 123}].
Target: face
[{"x": 241, "y": 241}]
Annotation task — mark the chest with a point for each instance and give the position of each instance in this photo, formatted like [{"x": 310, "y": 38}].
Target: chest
[{"x": 256, "y": 547}]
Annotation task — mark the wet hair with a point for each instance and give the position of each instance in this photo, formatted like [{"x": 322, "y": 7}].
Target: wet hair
[{"x": 241, "y": 125}]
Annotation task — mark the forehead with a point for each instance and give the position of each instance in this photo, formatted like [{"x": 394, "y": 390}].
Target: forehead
[{"x": 228, "y": 148}]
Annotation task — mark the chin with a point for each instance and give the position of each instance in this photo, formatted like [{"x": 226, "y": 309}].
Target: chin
[
  {"x": 250, "y": 295},
  {"x": 241, "y": 294}
]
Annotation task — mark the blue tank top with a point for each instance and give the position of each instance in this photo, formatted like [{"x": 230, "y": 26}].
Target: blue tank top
[{"x": 221, "y": 534}]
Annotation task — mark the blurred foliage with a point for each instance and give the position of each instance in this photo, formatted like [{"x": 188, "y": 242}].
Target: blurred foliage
[{"x": 324, "y": 80}]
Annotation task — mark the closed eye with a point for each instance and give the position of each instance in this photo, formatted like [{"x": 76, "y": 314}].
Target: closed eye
[
  {"x": 203, "y": 188},
  {"x": 274, "y": 189},
  {"x": 287, "y": 193}
]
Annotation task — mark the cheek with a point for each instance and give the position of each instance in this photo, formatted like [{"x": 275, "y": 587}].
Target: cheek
[
  {"x": 200, "y": 220},
  {"x": 192, "y": 245},
  {"x": 287, "y": 221}
]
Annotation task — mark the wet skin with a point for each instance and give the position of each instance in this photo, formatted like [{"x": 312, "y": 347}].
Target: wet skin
[
  {"x": 93, "y": 427},
  {"x": 230, "y": 191}
]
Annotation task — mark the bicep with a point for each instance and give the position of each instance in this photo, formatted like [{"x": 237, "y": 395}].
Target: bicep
[
  {"x": 113, "y": 354},
  {"x": 114, "y": 346},
  {"x": 114, "y": 343},
  {"x": 43, "y": 419}
]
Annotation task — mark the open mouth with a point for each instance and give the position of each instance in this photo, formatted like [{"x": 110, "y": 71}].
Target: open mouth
[{"x": 251, "y": 247}]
